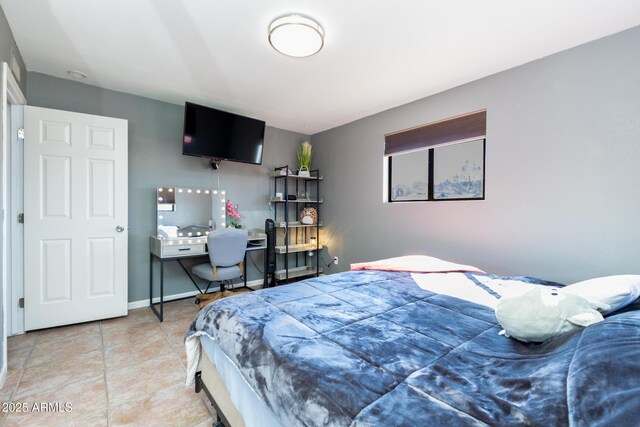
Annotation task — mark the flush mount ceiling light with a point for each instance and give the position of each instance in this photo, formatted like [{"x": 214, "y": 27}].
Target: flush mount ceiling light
[
  {"x": 77, "y": 74},
  {"x": 296, "y": 35}
]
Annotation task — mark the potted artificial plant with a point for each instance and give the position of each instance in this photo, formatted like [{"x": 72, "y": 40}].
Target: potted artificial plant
[{"x": 304, "y": 159}]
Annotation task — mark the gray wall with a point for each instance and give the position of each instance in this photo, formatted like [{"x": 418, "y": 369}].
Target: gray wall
[
  {"x": 562, "y": 172},
  {"x": 155, "y": 134},
  {"x": 7, "y": 45}
]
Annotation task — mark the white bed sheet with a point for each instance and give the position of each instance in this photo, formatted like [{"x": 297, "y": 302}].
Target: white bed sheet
[
  {"x": 253, "y": 410},
  {"x": 458, "y": 286}
]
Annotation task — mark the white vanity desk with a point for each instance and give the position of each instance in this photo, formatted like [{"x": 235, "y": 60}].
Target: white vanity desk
[{"x": 179, "y": 250}]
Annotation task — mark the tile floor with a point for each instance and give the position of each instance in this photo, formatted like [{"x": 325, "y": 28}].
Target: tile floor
[{"x": 124, "y": 371}]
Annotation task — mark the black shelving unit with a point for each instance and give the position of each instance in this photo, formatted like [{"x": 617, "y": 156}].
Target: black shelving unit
[{"x": 292, "y": 237}]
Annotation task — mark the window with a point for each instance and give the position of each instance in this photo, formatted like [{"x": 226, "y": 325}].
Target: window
[
  {"x": 438, "y": 161},
  {"x": 410, "y": 176}
]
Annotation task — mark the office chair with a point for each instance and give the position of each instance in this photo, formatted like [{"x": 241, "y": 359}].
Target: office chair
[{"x": 226, "y": 254}]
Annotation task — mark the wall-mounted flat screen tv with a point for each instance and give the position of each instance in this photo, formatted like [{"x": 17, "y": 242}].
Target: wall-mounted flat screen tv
[{"x": 221, "y": 135}]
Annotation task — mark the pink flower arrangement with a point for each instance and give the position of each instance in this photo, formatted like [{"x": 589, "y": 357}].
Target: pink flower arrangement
[{"x": 232, "y": 212}]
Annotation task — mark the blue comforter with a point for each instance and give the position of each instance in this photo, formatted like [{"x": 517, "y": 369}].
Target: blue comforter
[{"x": 371, "y": 348}]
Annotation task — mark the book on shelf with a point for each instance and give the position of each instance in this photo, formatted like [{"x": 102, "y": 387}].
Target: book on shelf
[{"x": 282, "y": 224}]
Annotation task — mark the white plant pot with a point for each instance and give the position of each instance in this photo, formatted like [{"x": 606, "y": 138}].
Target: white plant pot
[{"x": 304, "y": 171}]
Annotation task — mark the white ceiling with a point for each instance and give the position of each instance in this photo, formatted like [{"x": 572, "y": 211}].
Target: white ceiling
[{"x": 377, "y": 55}]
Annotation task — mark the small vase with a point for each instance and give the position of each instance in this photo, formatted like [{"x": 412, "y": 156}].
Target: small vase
[{"x": 304, "y": 171}]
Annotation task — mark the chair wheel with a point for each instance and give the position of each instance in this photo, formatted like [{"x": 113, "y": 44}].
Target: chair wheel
[{"x": 197, "y": 301}]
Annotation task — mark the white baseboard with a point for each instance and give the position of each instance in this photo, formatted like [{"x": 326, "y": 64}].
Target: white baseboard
[{"x": 253, "y": 284}]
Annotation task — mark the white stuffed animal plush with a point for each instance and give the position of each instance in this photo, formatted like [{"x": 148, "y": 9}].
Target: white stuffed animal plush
[{"x": 545, "y": 312}]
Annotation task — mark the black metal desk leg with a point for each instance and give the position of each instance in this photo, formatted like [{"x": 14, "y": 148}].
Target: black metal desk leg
[
  {"x": 189, "y": 276},
  {"x": 151, "y": 304},
  {"x": 161, "y": 289},
  {"x": 151, "y": 280},
  {"x": 244, "y": 273}
]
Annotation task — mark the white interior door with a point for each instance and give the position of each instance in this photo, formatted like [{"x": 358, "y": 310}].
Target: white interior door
[{"x": 75, "y": 206}]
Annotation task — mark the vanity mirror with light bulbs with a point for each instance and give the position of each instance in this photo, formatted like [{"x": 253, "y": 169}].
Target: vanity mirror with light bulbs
[{"x": 184, "y": 218}]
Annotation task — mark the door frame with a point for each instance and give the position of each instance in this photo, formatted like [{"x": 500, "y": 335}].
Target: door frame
[
  {"x": 15, "y": 197},
  {"x": 12, "y": 99}
]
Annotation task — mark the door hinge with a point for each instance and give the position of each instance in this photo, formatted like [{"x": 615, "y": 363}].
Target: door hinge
[
  {"x": 20, "y": 218},
  {"x": 21, "y": 134},
  {"x": 21, "y": 303}
]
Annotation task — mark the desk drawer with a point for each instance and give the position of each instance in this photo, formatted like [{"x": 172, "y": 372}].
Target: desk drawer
[{"x": 172, "y": 250}]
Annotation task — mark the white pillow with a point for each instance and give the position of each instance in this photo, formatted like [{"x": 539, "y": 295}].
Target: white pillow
[
  {"x": 615, "y": 291},
  {"x": 545, "y": 312}
]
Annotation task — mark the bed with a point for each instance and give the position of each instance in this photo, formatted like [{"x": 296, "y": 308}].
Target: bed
[{"x": 394, "y": 348}]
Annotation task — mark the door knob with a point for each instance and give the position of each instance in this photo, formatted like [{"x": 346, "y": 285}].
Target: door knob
[{"x": 119, "y": 229}]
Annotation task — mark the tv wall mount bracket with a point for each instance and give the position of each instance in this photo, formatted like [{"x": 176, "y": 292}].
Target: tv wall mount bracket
[{"x": 215, "y": 164}]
